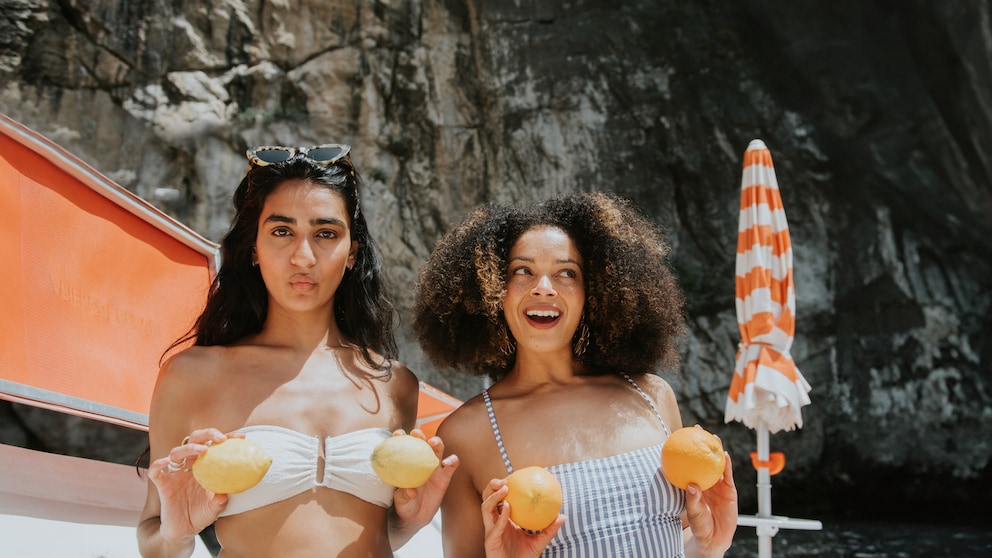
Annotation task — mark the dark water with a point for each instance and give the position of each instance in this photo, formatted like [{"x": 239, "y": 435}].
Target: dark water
[{"x": 850, "y": 539}]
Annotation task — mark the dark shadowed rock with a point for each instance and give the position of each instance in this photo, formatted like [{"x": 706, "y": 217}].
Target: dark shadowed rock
[{"x": 877, "y": 115}]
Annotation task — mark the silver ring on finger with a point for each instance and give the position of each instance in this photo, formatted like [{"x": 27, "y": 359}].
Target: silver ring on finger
[{"x": 176, "y": 466}]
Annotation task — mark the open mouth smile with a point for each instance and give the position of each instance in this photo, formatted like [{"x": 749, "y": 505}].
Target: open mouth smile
[{"x": 543, "y": 317}]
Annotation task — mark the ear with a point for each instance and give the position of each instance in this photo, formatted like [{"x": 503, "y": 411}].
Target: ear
[{"x": 353, "y": 254}]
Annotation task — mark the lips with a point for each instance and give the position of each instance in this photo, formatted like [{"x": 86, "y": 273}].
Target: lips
[
  {"x": 543, "y": 317},
  {"x": 302, "y": 283}
]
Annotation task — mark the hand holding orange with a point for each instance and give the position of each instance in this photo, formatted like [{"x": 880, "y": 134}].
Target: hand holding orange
[
  {"x": 692, "y": 455},
  {"x": 534, "y": 497}
]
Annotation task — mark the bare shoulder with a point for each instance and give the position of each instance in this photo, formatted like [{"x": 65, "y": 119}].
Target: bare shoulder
[
  {"x": 655, "y": 386},
  {"x": 402, "y": 377},
  {"x": 403, "y": 388},
  {"x": 187, "y": 381},
  {"x": 190, "y": 368},
  {"x": 661, "y": 392},
  {"x": 461, "y": 429}
]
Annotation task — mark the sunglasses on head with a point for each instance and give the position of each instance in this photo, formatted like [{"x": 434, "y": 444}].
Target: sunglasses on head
[{"x": 327, "y": 154}]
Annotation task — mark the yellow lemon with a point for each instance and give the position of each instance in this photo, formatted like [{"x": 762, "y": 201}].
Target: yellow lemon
[
  {"x": 404, "y": 461},
  {"x": 232, "y": 466}
]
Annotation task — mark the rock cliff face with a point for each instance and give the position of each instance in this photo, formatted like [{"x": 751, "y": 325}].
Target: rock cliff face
[{"x": 878, "y": 115}]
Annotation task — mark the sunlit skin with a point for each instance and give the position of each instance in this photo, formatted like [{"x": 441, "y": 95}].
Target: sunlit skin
[
  {"x": 545, "y": 294},
  {"x": 540, "y": 402},
  {"x": 303, "y": 248},
  {"x": 298, "y": 373}
]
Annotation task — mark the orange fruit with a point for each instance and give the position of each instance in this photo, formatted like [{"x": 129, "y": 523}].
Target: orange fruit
[
  {"x": 534, "y": 497},
  {"x": 692, "y": 455}
]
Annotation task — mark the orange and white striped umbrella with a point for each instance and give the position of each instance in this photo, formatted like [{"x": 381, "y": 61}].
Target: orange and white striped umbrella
[{"x": 767, "y": 386}]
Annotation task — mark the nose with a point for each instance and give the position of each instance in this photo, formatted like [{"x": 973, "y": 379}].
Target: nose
[
  {"x": 543, "y": 287},
  {"x": 302, "y": 255}
]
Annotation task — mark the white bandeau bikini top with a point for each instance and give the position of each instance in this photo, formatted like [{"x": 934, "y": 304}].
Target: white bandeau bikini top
[{"x": 294, "y": 467}]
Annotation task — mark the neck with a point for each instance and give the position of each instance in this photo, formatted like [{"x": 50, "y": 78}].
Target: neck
[
  {"x": 303, "y": 331},
  {"x": 532, "y": 370}
]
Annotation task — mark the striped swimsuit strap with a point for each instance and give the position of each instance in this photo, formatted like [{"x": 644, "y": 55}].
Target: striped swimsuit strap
[{"x": 499, "y": 437}]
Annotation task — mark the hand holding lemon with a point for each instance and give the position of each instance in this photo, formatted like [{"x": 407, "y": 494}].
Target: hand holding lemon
[
  {"x": 231, "y": 466},
  {"x": 692, "y": 455},
  {"x": 404, "y": 461}
]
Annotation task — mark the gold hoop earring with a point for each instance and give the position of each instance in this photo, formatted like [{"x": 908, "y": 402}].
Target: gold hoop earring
[
  {"x": 507, "y": 345},
  {"x": 582, "y": 342}
]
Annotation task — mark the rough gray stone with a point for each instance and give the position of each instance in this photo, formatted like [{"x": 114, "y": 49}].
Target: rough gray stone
[{"x": 877, "y": 116}]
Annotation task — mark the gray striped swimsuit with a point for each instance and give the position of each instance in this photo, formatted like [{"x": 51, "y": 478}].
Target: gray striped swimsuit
[{"x": 617, "y": 506}]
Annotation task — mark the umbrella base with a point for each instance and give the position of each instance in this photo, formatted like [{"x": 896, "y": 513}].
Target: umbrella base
[{"x": 769, "y": 526}]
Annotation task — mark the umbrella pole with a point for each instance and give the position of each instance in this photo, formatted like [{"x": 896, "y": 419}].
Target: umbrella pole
[{"x": 765, "y": 532}]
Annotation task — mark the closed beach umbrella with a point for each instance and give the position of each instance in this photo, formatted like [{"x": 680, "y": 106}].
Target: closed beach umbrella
[
  {"x": 767, "y": 391},
  {"x": 767, "y": 388}
]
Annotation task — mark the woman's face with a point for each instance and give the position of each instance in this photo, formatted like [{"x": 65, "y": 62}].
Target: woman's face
[
  {"x": 303, "y": 246},
  {"x": 545, "y": 290}
]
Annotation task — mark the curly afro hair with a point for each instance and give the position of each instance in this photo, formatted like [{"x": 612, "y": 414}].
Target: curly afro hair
[{"x": 633, "y": 306}]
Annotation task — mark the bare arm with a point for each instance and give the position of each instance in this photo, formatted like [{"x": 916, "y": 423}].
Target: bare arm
[
  {"x": 463, "y": 533},
  {"x": 176, "y": 507},
  {"x": 151, "y": 542},
  {"x": 413, "y": 508},
  {"x": 710, "y": 519}
]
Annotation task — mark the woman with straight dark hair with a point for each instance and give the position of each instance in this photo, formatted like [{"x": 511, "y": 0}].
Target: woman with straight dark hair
[{"x": 295, "y": 351}]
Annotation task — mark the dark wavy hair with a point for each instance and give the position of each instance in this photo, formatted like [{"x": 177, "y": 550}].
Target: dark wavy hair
[
  {"x": 237, "y": 302},
  {"x": 633, "y": 306}
]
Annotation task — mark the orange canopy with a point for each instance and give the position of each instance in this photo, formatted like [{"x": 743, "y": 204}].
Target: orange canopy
[
  {"x": 434, "y": 406},
  {"x": 97, "y": 283}
]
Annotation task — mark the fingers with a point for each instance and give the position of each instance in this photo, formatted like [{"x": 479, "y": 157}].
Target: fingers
[
  {"x": 450, "y": 463},
  {"x": 181, "y": 457},
  {"x": 493, "y": 506},
  {"x": 435, "y": 442},
  {"x": 415, "y": 432},
  {"x": 211, "y": 435},
  {"x": 728, "y": 470},
  {"x": 495, "y": 487},
  {"x": 160, "y": 467},
  {"x": 549, "y": 532},
  {"x": 442, "y": 475},
  {"x": 495, "y": 517}
]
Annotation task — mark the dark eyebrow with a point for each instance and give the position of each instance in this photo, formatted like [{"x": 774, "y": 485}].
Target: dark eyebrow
[
  {"x": 327, "y": 221},
  {"x": 532, "y": 260},
  {"x": 276, "y": 218}
]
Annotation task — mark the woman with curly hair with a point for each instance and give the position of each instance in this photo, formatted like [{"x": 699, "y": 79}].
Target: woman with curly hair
[
  {"x": 568, "y": 306},
  {"x": 294, "y": 351}
]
